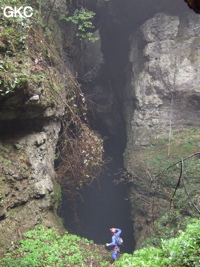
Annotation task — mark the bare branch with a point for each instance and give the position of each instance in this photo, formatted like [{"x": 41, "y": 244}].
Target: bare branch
[
  {"x": 193, "y": 155},
  {"x": 189, "y": 195},
  {"x": 178, "y": 183}
]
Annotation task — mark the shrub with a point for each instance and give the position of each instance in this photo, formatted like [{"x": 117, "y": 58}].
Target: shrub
[
  {"x": 45, "y": 247},
  {"x": 183, "y": 250}
]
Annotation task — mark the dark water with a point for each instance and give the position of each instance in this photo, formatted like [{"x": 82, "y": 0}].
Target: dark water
[{"x": 103, "y": 205}]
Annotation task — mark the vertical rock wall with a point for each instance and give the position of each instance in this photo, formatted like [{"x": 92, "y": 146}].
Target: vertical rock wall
[
  {"x": 30, "y": 122},
  {"x": 28, "y": 187},
  {"x": 163, "y": 103},
  {"x": 38, "y": 91},
  {"x": 165, "y": 76}
]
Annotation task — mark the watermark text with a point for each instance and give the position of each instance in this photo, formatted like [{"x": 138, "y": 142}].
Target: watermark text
[{"x": 22, "y": 12}]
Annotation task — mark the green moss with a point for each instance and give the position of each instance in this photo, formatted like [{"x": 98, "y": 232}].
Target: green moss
[
  {"x": 183, "y": 143},
  {"x": 158, "y": 170}
]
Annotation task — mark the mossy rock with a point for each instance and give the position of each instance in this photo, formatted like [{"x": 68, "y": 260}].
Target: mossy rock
[{"x": 157, "y": 171}]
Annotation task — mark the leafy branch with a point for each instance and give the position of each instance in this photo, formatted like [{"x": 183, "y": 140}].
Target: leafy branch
[{"x": 83, "y": 20}]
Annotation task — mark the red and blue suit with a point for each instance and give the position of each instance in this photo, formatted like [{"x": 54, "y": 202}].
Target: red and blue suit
[{"x": 114, "y": 244}]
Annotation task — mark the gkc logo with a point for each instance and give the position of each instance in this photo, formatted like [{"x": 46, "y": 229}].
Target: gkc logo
[{"x": 22, "y": 12}]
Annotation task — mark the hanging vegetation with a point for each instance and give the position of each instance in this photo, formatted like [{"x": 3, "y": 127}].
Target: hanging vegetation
[{"x": 31, "y": 68}]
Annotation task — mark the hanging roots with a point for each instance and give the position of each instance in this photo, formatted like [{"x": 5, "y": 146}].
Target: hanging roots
[{"x": 81, "y": 151}]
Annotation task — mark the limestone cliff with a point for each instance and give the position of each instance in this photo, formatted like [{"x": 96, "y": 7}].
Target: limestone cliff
[
  {"x": 165, "y": 70},
  {"x": 38, "y": 94},
  {"x": 43, "y": 110},
  {"x": 160, "y": 105},
  {"x": 30, "y": 116},
  {"x": 163, "y": 111}
]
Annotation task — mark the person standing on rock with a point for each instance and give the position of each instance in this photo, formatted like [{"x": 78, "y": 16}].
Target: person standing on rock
[{"x": 115, "y": 235}]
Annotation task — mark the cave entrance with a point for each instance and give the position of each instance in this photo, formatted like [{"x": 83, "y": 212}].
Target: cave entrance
[{"x": 104, "y": 204}]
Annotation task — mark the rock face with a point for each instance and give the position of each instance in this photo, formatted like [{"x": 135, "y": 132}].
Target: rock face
[
  {"x": 164, "y": 98},
  {"x": 161, "y": 98},
  {"x": 91, "y": 59},
  {"x": 30, "y": 126},
  {"x": 163, "y": 93},
  {"x": 27, "y": 187},
  {"x": 194, "y": 4},
  {"x": 165, "y": 84},
  {"x": 31, "y": 107},
  {"x": 38, "y": 91}
]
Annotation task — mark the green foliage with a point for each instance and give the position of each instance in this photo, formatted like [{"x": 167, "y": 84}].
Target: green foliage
[
  {"x": 28, "y": 67},
  {"x": 45, "y": 247},
  {"x": 16, "y": 27},
  {"x": 83, "y": 20},
  {"x": 168, "y": 225},
  {"x": 183, "y": 250},
  {"x": 13, "y": 35},
  {"x": 11, "y": 78},
  {"x": 153, "y": 188}
]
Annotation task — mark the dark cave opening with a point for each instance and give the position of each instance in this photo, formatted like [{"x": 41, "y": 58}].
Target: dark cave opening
[{"x": 105, "y": 204}]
